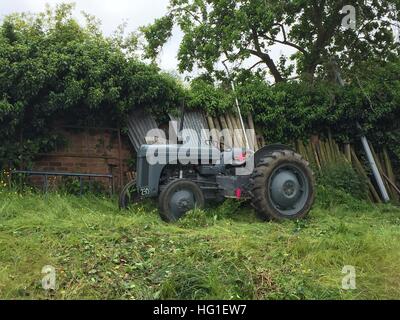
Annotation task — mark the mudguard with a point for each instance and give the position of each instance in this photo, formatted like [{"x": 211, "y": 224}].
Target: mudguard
[{"x": 261, "y": 153}]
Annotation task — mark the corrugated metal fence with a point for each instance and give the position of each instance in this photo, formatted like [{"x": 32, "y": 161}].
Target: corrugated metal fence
[{"x": 140, "y": 123}]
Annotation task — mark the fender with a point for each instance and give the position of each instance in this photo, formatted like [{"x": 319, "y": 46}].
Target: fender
[{"x": 264, "y": 151}]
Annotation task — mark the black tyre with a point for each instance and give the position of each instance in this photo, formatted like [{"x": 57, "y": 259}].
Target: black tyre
[
  {"x": 129, "y": 195},
  {"x": 179, "y": 197},
  {"x": 283, "y": 186}
]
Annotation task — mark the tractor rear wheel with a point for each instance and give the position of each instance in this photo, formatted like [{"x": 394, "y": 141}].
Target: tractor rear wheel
[
  {"x": 283, "y": 186},
  {"x": 179, "y": 197},
  {"x": 129, "y": 195}
]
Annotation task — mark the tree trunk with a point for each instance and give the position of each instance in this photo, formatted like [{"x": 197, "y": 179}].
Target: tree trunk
[{"x": 272, "y": 68}]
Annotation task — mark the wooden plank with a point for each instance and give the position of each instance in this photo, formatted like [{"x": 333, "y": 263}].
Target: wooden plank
[
  {"x": 250, "y": 122},
  {"x": 381, "y": 170},
  {"x": 391, "y": 183},
  {"x": 390, "y": 173},
  {"x": 248, "y": 135},
  {"x": 242, "y": 134},
  {"x": 261, "y": 143},
  {"x": 388, "y": 164},
  {"x": 224, "y": 125},
  {"x": 321, "y": 154},
  {"x": 237, "y": 132},
  {"x": 328, "y": 152},
  {"x": 231, "y": 129},
  {"x": 302, "y": 150},
  {"x": 212, "y": 129},
  {"x": 347, "y": 152},
  {"x": 331, "y": 148},
  {"x": 316, "y": 157},
  {"x": 218, "y": 128},
  {"x": 339, "y": 154}
]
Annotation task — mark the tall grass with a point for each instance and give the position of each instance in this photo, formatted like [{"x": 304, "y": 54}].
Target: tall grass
[{"x": 100, "y": 252}]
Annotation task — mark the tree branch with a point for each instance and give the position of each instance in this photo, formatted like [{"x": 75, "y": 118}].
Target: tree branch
[
  {"x": 255, "y": 65},
  {"x": 285, "y": 41},
  {"x": 265, "y": 57}
]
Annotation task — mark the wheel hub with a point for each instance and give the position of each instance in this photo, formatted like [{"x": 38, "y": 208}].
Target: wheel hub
[
  {"x": 183, "y": 205},
  {"x": 289, "y": 188},
  {"x": 285, "y": 189},
  {"x": 182, "y": 201}
]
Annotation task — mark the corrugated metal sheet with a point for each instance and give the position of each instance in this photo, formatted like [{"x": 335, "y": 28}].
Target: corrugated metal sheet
[
  {"x": 196, "y": 121},
  {"x": 139, "y": 124}
]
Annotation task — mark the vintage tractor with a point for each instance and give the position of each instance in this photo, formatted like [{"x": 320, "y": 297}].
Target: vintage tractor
[{"x": 280, "y": 185}]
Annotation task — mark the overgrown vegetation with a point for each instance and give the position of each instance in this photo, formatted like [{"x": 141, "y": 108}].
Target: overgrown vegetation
[
  {"x": 342, "y": 176},
  {"x": 102, "y": 253},
  {"x": 52, "y": 69}
]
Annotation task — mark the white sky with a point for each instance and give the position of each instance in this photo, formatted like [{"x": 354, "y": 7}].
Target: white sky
[{"x": 113, "y": 13}]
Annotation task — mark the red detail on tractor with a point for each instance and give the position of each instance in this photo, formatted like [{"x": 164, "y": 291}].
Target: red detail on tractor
[{"x": 238, "y": 193}]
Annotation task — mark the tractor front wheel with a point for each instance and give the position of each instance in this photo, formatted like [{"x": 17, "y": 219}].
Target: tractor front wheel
[
  {"x": 283, "y": 186},
  {"x": 179, "y": 197}
]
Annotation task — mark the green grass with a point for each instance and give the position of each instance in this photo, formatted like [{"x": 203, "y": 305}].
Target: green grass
[{"x": 222, "y": 253}]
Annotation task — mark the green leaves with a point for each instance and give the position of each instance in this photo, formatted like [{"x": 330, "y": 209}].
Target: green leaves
[
  {"x": 312, "y": 30},
  {"x": 295, "y": 110},
  {"x": 52, "y": 69},
  {"x": 157, "y": 35}
]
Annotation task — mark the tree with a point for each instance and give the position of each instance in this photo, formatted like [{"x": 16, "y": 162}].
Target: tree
[{"x": 236, "y": 30}]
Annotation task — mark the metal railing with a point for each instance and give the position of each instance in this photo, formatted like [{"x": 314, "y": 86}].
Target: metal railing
[{"x": 81, "y": 176}]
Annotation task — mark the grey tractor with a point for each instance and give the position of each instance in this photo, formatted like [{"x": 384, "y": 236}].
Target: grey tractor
[{"x": 279, "y": 186}]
